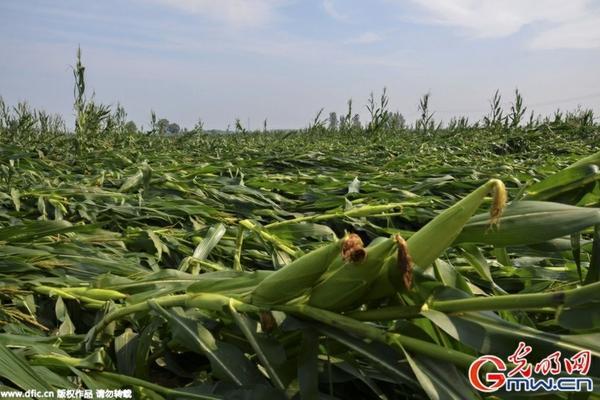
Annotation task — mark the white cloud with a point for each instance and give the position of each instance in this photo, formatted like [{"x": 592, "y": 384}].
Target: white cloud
[
  {"x": 367, "y": 38},
  {"x": 331, "y": 10},
  {"x": 579, "y": 34},
  {"x": 559, "y": 23},
  {"x": 238, "y": 13},
  {"x": 493, "y": 18}
]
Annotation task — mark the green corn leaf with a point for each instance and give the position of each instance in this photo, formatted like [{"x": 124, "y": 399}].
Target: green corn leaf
[
  {"x": 593, "y": 274},
  {"x": 14, "y": 368},
  {"x": 563, "y": 181},
  {"x": 440, "y": 380},
  {"x": 213, "y": 236}
]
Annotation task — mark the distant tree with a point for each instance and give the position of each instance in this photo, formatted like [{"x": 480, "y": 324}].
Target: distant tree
[
  {"x": 396, "y": 121},
  {"x": 356, "y": 124},
  {"x": 161, "y": 126},
  {"x": 173, "y": 128},
  {"x": 130, "y": 127},
  {"x": 342, "y": 124},
  {"x": 333, "y": 121}
]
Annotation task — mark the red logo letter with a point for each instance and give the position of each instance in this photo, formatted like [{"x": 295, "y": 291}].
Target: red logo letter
[
  {"x": 518, "y": 358},
  {"x": 495, "y": 378},
  {"x": 580, "y": 362}
]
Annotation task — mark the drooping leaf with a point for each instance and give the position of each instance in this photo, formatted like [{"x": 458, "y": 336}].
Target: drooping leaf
[
  {"x": 14, "y": 368},
  {"x": 227, "y": 361}
]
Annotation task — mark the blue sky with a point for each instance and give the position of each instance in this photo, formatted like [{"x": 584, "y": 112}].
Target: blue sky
[{"x": 285, "y": 59}]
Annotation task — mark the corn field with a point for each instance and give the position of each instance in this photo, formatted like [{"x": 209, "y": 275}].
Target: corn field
[{"x": 358, "y": 263}]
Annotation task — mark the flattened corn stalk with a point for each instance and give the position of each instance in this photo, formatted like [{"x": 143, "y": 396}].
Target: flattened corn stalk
[
  {"x": 219, "y": 303},
  {"x": 528, "y": 301},
  {"x": 89, "y": 297},
  {"x": 351, "y": 322},
  {"x": 381, "y": 210},
  {"x": 268, "y": 237},
  {"x": 206, "y": 301},
  {"x": 392, "y": 339}
]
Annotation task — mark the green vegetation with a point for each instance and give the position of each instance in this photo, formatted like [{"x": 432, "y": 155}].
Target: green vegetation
[{"x": 339, "y": 260}]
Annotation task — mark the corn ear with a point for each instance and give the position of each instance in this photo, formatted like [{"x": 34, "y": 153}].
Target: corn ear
[
  {"x": 345, "y": 286},
  {"x": 385, "y": 284},
  {"x": 96, "y": 294},
  {"x": 52, "y": 291},
  {"x": 351, "y": 284},
  {"x": 296, "y": 278},
  {"x": 65, "y": 293},
  {"x": 396, "y": 274},
  {"x": 365, "y": 211},
  {"x": 341, "y": 275},
  {"x": 434, "y": 238},
  {"x": 530, "y": 222}
]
